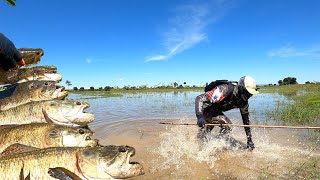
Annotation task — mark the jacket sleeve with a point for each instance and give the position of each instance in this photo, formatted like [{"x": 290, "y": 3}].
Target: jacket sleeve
[
  {"x": 199, "y": 105},
  {"x": 246, "y": 121},
  {"x": 9, "y": 53}
]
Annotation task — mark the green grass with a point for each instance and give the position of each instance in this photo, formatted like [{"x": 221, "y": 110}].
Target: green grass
[
  {"x": 97, "y": 94},
  {"x": 304, "y": 108}
]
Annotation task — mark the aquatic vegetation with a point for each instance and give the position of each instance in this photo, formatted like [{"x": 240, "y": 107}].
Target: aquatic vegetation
[{"x": 303, "y": 105}]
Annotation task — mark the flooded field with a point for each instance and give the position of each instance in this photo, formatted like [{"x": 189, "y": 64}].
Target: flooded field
[{"x": 174, "y": 152}]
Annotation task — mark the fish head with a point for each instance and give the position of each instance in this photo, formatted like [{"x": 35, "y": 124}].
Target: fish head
[
  {"x": 67, "y": 112},
  {"x": 31, "y": 56},
  {"x": 64, "y": 136},
  {"x": 108, "y": 162},
  {"x": 52, "y": 92}
]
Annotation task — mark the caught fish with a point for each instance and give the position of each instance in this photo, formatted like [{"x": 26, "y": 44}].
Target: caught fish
[
  {"x": 44, "y": 135},
  {"x": 31, "y": 56},
  {"x": 61, "y": 112},
  {"x": 106, "y": 162},
  {"x": 40, "y": 93},
  {"x": 25, "y": 86},
  {"x": 27, "y": 74}
]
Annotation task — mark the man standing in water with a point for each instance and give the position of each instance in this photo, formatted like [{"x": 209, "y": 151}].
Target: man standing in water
[
  {"x": 10, "y": 57},
  {"x": 224, "y": 96}
]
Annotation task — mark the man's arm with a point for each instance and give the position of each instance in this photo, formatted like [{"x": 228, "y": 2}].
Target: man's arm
[
  {"x": 10, "y": 56},
  {"x": 199, "y": 109},
  {"x": 246, "y": 121}
]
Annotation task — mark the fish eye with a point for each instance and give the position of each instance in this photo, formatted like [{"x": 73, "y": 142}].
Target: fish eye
[
  {"x": 81, "y": 131},
  {"x": 78, "y": 103},
  {"x": 122, "y": 149},
  {"x": 46, "y": 83},
  {"x": 53, "y": 134},
  {"x": 88, "y": 138}
]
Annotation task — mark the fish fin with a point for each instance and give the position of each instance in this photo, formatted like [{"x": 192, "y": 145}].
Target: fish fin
[
  {"x": 16, "y": 148},
  {"x": 7, "y": 126},
  {"x": 62, "y": 174},
  {"x": 28, "y": 177},
  {"x": 21, "y": 176}
]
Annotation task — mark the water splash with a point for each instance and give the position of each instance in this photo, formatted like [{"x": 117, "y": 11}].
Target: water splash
[{"x": 180, "y": 147}]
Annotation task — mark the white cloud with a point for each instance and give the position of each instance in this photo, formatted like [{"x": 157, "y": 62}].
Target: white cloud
[
  {"x": 188, "y": 27},
  {"x": 156, "y": 58},
  {"x": 88, "y": 60},
  {"x": 290, "y": 51}
]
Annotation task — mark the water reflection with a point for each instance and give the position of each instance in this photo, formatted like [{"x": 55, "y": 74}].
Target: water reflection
[{"x": 167, "y": 105}]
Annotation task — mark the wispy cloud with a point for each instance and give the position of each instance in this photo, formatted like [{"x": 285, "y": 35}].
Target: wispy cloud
[
  {"x": 88, "y": 60},
  {"x": 156, "y": 58},
  {"x": 290, "y": 51},
  {"x": 188, "y": 27}
]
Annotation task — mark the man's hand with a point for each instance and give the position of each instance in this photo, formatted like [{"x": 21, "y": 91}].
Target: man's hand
[
  {"x": 22, "y": 62},
  {"x": 250, "y": 145},
  {"x": 201, "y": 122}
]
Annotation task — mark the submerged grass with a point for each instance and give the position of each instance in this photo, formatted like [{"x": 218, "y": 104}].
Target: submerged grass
[
  {"x": 96, "y": 94},
  {"x": 303, "y": 106},
  {"x": 121, "y": 92}
]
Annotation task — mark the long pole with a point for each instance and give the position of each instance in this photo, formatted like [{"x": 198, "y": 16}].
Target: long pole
[{"x": 240, "y": 125}]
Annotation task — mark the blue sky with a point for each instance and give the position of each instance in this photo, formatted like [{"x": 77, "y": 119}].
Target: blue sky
[{"x": 142, "y": 42}]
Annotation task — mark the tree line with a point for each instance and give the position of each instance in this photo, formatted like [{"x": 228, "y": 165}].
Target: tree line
[
  {"x": 128, "y": 87},
  {"x": 282, "y": 82}
]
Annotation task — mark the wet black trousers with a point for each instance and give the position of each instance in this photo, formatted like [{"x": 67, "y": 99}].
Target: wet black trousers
[{"x": 215, "y": 116}]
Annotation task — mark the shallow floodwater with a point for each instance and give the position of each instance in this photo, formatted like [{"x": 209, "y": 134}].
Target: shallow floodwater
[{"x": 175, "y": 152}]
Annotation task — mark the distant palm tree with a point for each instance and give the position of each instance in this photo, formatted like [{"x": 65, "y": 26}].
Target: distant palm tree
[
  {"x": 68, "y": 83},
  {"x": 175, "y": 84},
  {"x": 11, "y": 2}
]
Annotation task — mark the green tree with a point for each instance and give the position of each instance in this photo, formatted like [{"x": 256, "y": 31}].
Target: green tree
[
  {"x": 11, "y": 2},
  {"x": 75, "y": 88},
  {"x": 68, "y": 83},
  {"x": 290, "y": 80},
  {"x": 107, "y": 88},
  {"x": 91, "y": 88}
]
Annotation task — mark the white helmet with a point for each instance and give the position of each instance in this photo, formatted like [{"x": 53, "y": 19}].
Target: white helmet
[{"x": 249, "y": 83}]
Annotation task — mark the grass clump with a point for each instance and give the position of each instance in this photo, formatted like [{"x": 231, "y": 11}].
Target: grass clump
[{"x": 303, "y": 106}]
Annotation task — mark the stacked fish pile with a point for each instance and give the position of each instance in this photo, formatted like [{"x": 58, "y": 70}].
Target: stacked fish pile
[{"x": 45, "y": 136}]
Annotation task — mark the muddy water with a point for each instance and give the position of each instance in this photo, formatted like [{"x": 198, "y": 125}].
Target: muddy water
[{"x": 175, "y": 152}]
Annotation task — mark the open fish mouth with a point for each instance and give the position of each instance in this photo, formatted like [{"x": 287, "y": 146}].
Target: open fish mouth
[
  {"x": 128, "y": 168},
  {"x": 75, "y": 117},
  {"x": 60, "y": 92},
  {"x": 88, "y": 140}
]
